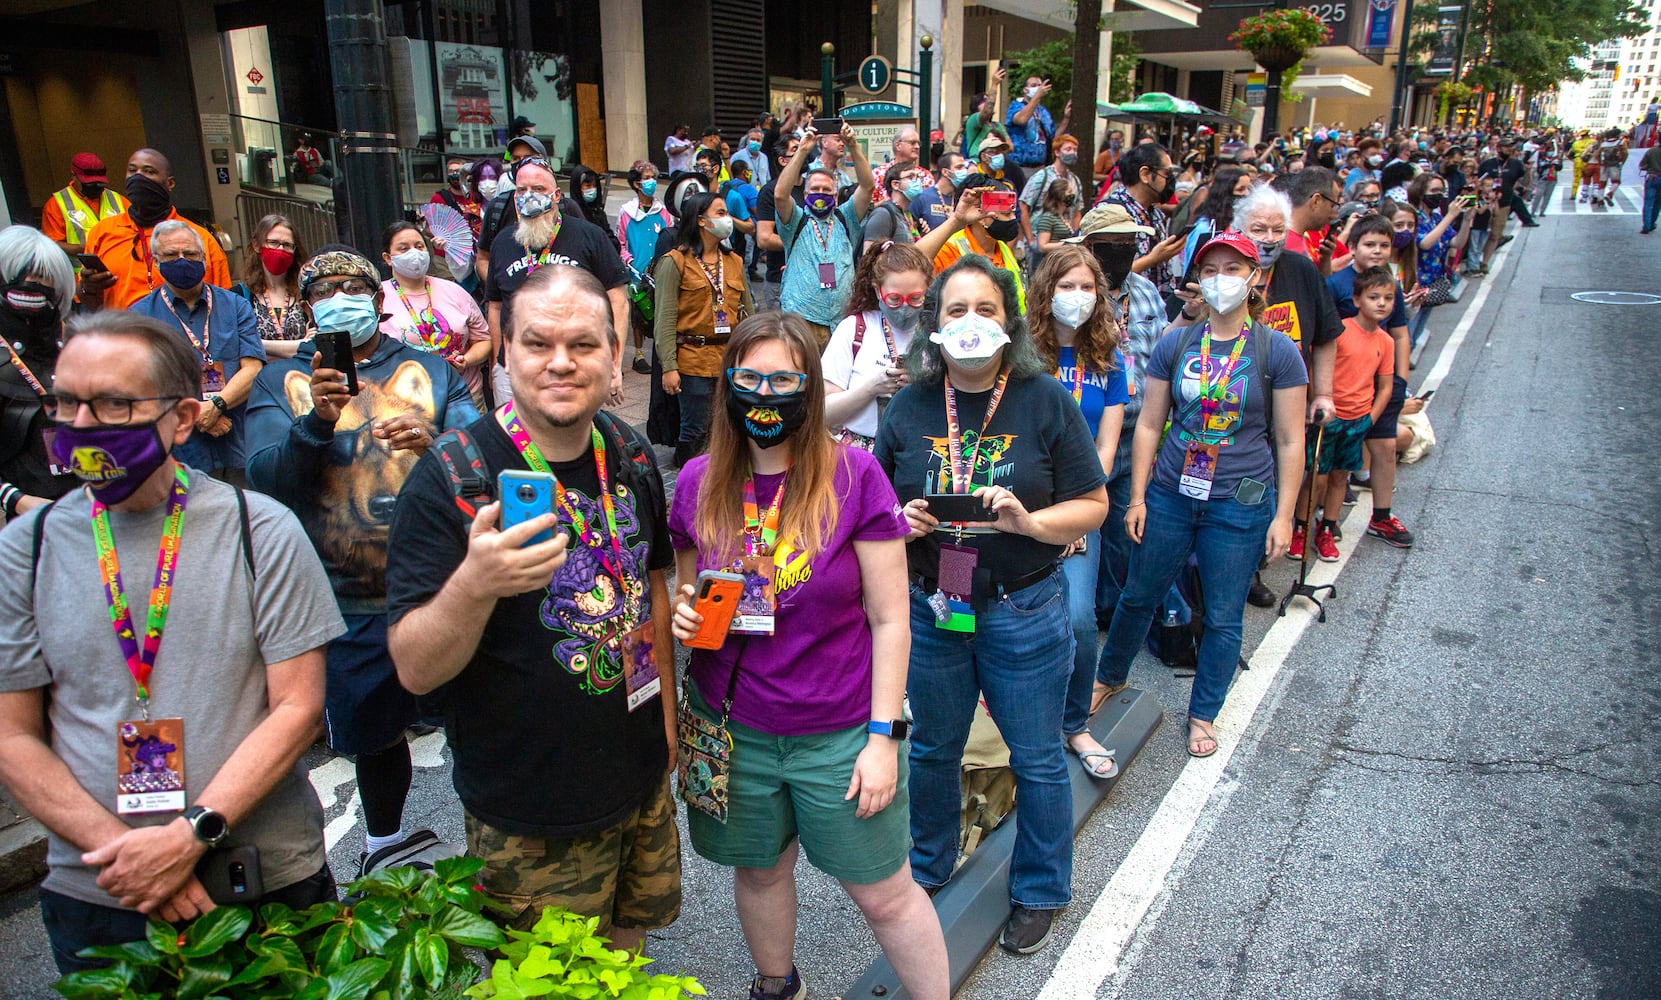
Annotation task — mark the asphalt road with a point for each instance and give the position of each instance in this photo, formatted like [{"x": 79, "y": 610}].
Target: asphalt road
[{"x": 1447, "y": 790}]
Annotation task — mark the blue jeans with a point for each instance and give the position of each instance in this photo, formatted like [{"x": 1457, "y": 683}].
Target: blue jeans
[
  {"x": 1115, "y": 548},
  {"x": 1080, "y": 572},
  {"x": 697, "y": 396},
  {"x": 1415, "y": 326},
  {"x": 1018, "y": 658},
  {"x": 1227, "y": 536},
  {"x": 1652, "y": 200}
]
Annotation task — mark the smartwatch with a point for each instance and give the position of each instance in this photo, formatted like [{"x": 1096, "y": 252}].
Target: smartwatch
[
  {"x": 219, "y": 404},
  {"x": 210, "y": 827},
  {"x": 898, "y": 728}
]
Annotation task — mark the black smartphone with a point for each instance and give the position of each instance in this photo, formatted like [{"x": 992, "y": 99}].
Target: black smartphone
[
  {"x": 335, "y": 348},
  {"x": 231, "y": 876},
  {"x": 959, "y": 508},
  {"x": 90, "y": 262},
  {"x": 828, "y": 126},
  {"x": 1184, "y": 231},
  {"x": 1424, "y": 397}
]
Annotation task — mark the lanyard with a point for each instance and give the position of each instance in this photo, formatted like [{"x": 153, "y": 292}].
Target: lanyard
[
  {"x": 428, "y": 322},
  {"x": 1078, "y": 378},
  {"x": 204, "y": 345},
  {"x": 761, "y": 528},
  {"x": 888, "y": 338},
  {"x": 717, "y": 278},
  {"x": 962, "y": 476},
  {"x": 824, "y": 237},
  {"x": 588, "y": 534},
  {"x": 538, "y": 259},
  {"x": 1211, "y": 392},
  {"x": 140, "y": 661},
  {"x": 23, "y": 370}
]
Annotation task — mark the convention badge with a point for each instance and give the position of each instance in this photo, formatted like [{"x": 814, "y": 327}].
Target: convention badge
[
  {"x": 756, "y": 606},
  {"x": 47, "y": 435},
  {"x": 827, "y": 275},
  {"x": 639, "y": 667},
  {"x": 213, "y": 378},
  {"x": 956, "y": 575},
  {"x": 722, "y": 327},
  {"x": 150, "y": 766},
  {"x": 1199, "y": 467},
  {"x": 1130, "y": 374}
]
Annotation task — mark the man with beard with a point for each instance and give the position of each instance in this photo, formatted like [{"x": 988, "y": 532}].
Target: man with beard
[
  {"x": 36, "y": 291},
  {"x": 338, "y": 459},
  {"x": 122, "y": 241},
  {"x": 545, "y": 234},
  {"x": 71, "y": 212},
  {"x": 1148, "y": 178}
]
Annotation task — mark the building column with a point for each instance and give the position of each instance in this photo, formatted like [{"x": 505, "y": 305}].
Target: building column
[
  {"x": 951, "y": 67},
  {"x": 1104, "y": 62},
  {"x": 207, "y": 78},
  {"x": 623, "y": 66}
]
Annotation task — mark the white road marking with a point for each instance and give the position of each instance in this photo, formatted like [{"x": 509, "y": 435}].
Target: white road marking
[
  {"x": 326, "y": 778},
  {"x": 1180, "y": 826}
]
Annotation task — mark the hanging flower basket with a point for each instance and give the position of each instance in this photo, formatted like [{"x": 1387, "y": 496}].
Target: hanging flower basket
[{"x": 1279, "y": 39}]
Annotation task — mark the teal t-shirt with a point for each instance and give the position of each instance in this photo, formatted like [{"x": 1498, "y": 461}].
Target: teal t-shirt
[{"x": 810, "y": 242}]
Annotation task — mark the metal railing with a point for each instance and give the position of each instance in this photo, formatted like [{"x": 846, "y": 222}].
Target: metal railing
[{"x": 314, "y": 224}]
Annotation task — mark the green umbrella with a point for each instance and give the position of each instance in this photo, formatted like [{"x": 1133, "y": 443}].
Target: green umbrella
[{"x": 1159, "y": 103}]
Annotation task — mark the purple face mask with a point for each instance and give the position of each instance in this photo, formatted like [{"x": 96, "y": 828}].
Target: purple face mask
[
  {"x": 114, "y": 461},
  {"x": 820, "y": 203}
]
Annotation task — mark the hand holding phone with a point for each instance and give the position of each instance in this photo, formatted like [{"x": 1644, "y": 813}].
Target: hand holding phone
[
  {"x": 997, "y": 202},
  {"x": 525, "y": 495},
  {"x": 705, "y": 616},
  {"x": 959, "y": 508},
  {"x": 90, "y": 262},
  {"x": 334, "y": 350},
  {"x": 828, "y": 126}
]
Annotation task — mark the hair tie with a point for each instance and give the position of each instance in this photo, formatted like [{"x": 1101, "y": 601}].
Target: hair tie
[{"x": 885, "y": 245}]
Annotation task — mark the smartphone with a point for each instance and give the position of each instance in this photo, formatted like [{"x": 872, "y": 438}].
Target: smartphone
[
  {"x": 1183, "y": 232},
  {"x": 335, "y": 348},
  {"x": 715, "y": 596},
  {"x": 998, "y": 202},
  {"x": 90, "y": 262},
  {"x": 526, "y": 495},
  {"x": 232, "y": 876},
  {"x": 1424, "y": 397},
  {"x": 828, "y": 126},
  {"x": 959, "y": 508}
]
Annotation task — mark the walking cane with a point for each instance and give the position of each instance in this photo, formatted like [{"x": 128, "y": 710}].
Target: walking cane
[{"x": 1303, "y": 588}]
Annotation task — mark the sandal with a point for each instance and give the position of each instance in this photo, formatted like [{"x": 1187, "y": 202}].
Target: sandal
[
  {"x": 1207, "y": 734},
  {"x": 1091, "y": 760},
  {"x": 1100, "y": 695}
]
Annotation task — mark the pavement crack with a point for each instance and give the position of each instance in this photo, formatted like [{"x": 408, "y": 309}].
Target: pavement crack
[{"x": 1519, "y": 765}]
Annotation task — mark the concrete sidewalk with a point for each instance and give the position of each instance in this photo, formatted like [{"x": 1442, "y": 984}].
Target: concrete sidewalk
[{"x": 22, "y": 846}]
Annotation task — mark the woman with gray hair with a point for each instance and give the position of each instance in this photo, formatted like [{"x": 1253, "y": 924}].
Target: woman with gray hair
[
  {"x": 999, "y": 473},
  {"x": 37, "y": 289}
]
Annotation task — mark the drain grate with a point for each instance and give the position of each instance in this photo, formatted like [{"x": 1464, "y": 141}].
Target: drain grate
[{"x": 1608, "y": 298}]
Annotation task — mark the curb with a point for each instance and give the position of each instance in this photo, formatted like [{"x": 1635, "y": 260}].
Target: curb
[{"x": 22, "y": 855}]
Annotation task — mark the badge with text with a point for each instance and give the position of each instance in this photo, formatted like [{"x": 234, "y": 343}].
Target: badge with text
[
  {"x": 722, "y": 326},
  {"x": 827, "y": 275},
  {"x": 1199, "y": 468},
  {"x": 756, "y": 607},
  {"x": 150, "y": 770},
  {"x": 641, "y": 676},
  {"x": 47, "y": 437},
  {"x": 956, "y": 579},
  {"x": 213, "y": 378}
]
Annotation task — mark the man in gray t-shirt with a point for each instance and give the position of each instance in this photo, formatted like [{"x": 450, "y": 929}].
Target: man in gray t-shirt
[{"x": 235, "y": 689}]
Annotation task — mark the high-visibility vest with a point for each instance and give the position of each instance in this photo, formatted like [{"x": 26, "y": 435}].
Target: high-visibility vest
[
  {"x": 78, "y": 216},
  {"x": 1006, "y": 260}
]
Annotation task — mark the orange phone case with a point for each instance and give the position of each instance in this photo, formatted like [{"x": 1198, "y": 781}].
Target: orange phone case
[{"x": 717, "y": 600}]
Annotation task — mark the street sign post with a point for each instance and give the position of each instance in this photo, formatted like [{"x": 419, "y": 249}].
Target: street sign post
[{"x": 875, "y": 74}]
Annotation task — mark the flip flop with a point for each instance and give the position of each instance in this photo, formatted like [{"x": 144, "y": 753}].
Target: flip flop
[
  {"x": 1206, "y": 732},
  {"x": 1086, "y": 756},
  {"x": 1102, "y": 693}
]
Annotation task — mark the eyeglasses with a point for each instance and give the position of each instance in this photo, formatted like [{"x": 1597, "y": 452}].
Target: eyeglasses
[
  {"x": 781, "y": 383},
  {"x": 893, "y": 301},
  {"x": 63, "y": 408},
  {"x": 279, "y": 245},
  {"x": 317, "y": 291},
  {"x": 167, "y": 256}
]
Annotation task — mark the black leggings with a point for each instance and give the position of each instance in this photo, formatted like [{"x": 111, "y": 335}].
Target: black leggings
[{"x": 383, "y": 785}]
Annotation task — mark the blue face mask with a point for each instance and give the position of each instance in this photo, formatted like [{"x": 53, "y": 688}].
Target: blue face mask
[
  {"x": 356, "y": 314},
  {"x": 183, "y": 273},
  {"x": 914, "y": 189},
  {"x": 960, "y": 175},
  {"x": 591, "y": 194},
  {"x": 648, "y": 187},
  {"x": 995, "y": 161},
  {"x": 754, "y": 145}
]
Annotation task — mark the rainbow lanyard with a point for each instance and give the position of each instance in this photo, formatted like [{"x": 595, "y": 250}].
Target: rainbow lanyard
[
  {"x": 587, "y": 533},
  {"x": 23, "y": 370},
  {"x": 888, "y": 338},
  {"x": 961, "y": 476},
  {"x": 1211, "y": 392},
  {"x": 204, "y": 345},
  {"x": 141, "y": 661},
  {"x": 1078, "y": 378},
  {"x": 761, "y": 528},
  {"x": 539, "y": 259},
  {"x": 428, "y": 322}
]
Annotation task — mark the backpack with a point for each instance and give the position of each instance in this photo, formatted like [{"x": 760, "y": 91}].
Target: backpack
[
  {"x": 245, "y": 529},
  {"x": 988, "y": 783},
  {"x": 854, "y": 239},
  {"x": 472, "y": 488}
]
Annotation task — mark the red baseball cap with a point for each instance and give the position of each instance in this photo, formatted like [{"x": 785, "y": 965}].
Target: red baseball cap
[
  {"x": 1235, "y": 240},
  {"x": 88, "y": 167}
]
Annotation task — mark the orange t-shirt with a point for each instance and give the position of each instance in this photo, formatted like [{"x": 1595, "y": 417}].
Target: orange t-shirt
[
  {"x": 125, "y": 250},
  {"x": 1362, "y": 357}
]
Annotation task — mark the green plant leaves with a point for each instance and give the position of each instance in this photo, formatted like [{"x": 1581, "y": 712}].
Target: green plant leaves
[
  {"x": 355, "y": 980},
  {"x": 214, "y": 930},
  {"x": 457, "y": 871},
  {"x": 432, "y": 956},
  {"x": 465, "y": 928}
]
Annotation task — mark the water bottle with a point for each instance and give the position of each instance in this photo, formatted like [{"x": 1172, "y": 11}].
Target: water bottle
[{"x": 1171, "y": 618}]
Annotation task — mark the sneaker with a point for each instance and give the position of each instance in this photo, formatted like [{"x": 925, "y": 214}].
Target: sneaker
[
  {"x": 1391, "y": 530},
  {"x": 793, "y": 988},
  {"x": 1349, "y": 495},
  {"x": 1325, "y": 547},
  {"x": 641, "y": 365},
  {"x": 1360, "y": 481},
  {"x": 418, "y": 850},
  {"x": 1295, "y": 551},
  {"x": 1027, "y": 930}
]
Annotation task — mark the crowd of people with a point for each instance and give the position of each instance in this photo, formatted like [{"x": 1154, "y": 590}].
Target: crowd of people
[{"x": 939, "y": 427}]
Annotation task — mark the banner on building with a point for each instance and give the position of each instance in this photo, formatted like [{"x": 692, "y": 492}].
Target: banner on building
[
  {"x": 1257, "y": 86},
  {"x": 1446, "y": 53},
  {"x": 1380, "y": 14}
]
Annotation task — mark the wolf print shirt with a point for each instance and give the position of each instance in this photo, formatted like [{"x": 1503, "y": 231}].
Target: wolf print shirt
[
  {"x": 342, "y": 481},
  {"x": 545, "y": 744},
  {"x": 1037, "y": 446}
]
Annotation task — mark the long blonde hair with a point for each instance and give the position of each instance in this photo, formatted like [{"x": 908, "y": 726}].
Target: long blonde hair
[{"x": 809, "y": 511}]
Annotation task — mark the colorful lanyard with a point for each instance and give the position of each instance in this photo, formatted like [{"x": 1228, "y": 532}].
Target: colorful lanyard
[
  {"x": 539, "y": 259},
  {"x": 717, "y": 278},
  {"x": 962, "y": 477},
  {"x": 824, "y": 237},
  {"x": 1078, "y": 379},
  {"x": 204, "y": 345},
  {"x": 23, "y": 370},
  {"x": 761, "y": 528},
  {"x": 428, "y": 322},
  {"x": 888, "y": 338},
  {"x": 140, "y": 661},
  {"x": 588, "y": 534},
  {"x": 1211, "y": 392}
]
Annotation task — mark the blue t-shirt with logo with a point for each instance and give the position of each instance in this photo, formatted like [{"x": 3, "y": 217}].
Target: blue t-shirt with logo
[{"x": 1096, "y": 392}]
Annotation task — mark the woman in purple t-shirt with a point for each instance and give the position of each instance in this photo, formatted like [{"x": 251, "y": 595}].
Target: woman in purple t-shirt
[{"x": 809, "y": 681}]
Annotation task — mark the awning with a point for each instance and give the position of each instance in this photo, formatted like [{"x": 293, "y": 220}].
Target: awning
[
  {"x": 1135, "y": 15},
  {"x": 1331, "y": 85}
]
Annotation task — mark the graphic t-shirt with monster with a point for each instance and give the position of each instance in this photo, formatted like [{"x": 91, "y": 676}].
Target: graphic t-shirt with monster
[{"x": 544, "y": 741}]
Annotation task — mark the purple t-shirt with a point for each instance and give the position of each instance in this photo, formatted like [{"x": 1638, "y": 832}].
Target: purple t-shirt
[{"x": 813, "y": 674}]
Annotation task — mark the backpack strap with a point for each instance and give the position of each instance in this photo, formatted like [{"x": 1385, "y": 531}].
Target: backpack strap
[
  {"x": 464, "y": 468},
  {"x": 636, "y": 465},
  {"x": 247, "y": 532},
  {"x": 38, "y": 539},
  {"x": 859, "y": 333},
  {"x": 1262, "y": 344}
]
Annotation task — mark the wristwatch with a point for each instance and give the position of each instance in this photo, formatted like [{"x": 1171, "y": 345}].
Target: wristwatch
[
  {"x": 210, "y": 827},
  {"x": 219, "y": 404},
  {"x": 898, "y": 728}
]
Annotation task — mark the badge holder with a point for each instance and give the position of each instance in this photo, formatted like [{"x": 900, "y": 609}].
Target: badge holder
[
  {"x": 952, "y": 601},
  {"x": 213, "y": 378},
  {"x": 640, "y": 677},
  {"x": 1303, "y": 588},
  {"x": 758, "y": 605},
  {"x": 150, "y": 765}
]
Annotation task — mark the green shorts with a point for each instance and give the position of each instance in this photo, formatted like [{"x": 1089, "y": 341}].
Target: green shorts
[
  {"x": 785, "y": 787},
  {"x": 629, "y": 875}
]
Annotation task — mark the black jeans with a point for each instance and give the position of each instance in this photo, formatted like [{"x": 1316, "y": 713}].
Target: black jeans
[{"x": 72, "y": 925}]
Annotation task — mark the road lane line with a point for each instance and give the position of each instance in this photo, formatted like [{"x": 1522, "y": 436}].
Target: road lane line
[{"x": 1444, "y": 360}]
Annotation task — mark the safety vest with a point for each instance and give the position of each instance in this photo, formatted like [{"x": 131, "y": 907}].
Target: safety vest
[
  {"x": 1006, "y": 260},
  {"x": 78, "y": 216}
]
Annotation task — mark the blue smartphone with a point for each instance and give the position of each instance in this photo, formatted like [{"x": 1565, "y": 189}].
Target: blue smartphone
[{"x": 526, "y": 495}]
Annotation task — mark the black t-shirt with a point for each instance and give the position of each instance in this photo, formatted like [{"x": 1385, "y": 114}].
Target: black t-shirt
[
  {"x": 767, "y": 211},
  {"x": 579, "y": 243},
  {"x": 501, "y": 214},
  {"x": 23, "y": 458},
  {"x": 1300, "y": 305},
  {"x": 538, "y": 720},
  {"x": 1038, "y": 446}
]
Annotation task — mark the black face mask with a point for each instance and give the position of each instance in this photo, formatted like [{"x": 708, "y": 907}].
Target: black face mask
[
  {"x": 1328, "y": 161},
  {"x": 29, "y": 316},
  {"x": 1435, "y": 201},
  {"x": 766, "y": 420},
  {"x": 1116, "y": 260},
  {"x": 92, "y": 192},
  {"x": 151, "y": 202},
  {"x": 1004, "y": 230}
]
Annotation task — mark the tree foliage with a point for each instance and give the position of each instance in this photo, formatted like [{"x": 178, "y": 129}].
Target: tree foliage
[
  {"x": 1532, "y": 43},
  {"x": 1054, "y": 60}
]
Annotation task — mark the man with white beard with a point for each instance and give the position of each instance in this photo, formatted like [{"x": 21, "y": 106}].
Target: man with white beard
[{"x": 544, "y": 235}]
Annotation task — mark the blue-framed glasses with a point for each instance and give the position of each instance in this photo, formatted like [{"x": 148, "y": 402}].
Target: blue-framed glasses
[{"x": 779, "y": 383}]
